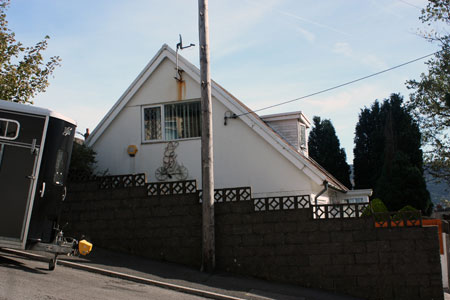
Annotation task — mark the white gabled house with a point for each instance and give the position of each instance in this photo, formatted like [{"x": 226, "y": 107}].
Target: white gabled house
[{"x": 267, "y": 153}]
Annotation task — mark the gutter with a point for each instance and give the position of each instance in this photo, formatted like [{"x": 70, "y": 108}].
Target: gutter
[{"x": 325, "y": 188}]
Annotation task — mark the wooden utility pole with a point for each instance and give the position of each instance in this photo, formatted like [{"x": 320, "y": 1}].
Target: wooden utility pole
[{"x": 208, "y": 245}]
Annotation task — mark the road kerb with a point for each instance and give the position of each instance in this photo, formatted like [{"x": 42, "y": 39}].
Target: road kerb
[
  {"x": 138, "y": 279},
  {"x": 124, "y": 276}
]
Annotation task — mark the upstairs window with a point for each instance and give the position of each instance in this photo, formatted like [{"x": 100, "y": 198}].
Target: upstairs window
[
  {"x": 9, "y": 129},
  {"x": 152, "y": 123},
  {"x": 172, "y": 121}
]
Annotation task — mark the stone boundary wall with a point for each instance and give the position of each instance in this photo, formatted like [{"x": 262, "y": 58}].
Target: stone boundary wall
[
  {"x": 348, "y": 256},
  {"x": 128, "y": 220},
  {"x": 344, "y": 255}
]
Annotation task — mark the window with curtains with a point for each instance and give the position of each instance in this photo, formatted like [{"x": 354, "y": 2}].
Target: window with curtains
[{"x": 172, "y": 121}]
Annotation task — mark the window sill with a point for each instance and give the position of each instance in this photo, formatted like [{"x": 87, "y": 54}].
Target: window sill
[{"x": 167, "y": 141}]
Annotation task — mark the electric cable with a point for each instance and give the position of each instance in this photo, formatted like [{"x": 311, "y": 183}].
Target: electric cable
[{"x": 337, "y": 86}]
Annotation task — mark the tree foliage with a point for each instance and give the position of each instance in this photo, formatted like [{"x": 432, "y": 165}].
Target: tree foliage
[
  {"x": 387, "y": 155},
  {"x": 369, "y": 144},
  {"x": 436, "y": 11},
  {"x": 82, "y": 161},
  {"x": 324, "y": 147},
  {"x": 23, "y": 71},
  {"x": 430, "y": 101}
]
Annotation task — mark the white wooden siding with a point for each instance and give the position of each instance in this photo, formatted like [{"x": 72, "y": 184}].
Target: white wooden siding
[{"x": 288, "y": 129}]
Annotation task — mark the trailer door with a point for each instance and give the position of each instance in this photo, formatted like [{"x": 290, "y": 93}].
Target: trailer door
[{"x": 19, "y": 160}]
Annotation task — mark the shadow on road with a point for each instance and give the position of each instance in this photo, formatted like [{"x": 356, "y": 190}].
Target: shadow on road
[{"x": 7, "y": 262}]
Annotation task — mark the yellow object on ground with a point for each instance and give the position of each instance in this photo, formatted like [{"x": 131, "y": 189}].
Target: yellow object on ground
[{"x": 84, "y": 247}]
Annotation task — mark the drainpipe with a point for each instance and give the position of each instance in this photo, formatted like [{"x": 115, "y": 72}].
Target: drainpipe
[{"x": 325, "y": 188}]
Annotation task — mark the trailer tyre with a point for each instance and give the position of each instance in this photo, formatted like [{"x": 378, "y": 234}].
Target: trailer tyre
[{"x": 52, "y": 264}]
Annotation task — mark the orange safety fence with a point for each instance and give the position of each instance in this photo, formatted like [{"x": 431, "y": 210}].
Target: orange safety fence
[
  {"x": 425, "y": 222},
  {"x": 415, "y": 223}
]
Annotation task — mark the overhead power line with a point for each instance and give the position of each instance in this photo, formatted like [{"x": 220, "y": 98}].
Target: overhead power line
[{"x": 338, "y": 86}]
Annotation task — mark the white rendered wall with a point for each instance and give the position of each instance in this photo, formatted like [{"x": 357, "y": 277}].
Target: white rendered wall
[
  {"x": 126, "y": 130},
  {"x": 241, "y": 156}
]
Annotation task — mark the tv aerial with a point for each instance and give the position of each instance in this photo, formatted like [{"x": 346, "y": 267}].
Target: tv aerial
[{"x": 180, "y": 47}]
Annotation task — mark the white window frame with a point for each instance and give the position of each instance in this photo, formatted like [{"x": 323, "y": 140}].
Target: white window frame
[
  {"x": 163, "y": 123},
  {"x": 17, "y": 131}
]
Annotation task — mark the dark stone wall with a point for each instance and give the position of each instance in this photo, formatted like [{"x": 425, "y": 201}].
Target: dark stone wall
[
  {"x": 343, "y": 255},
  {"x": 126, "y": 219}
]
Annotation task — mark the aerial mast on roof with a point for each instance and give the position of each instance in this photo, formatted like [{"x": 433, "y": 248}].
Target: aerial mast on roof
[{"x": 180, "y": 47}]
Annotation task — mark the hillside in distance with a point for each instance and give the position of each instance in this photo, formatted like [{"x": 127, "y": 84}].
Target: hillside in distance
[{"x": 439, "y": 190}]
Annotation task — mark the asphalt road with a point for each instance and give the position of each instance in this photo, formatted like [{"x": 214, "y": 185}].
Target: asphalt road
[{"x": 22, "y": 279}]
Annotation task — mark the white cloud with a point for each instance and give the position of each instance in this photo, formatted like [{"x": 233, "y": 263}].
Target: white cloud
[
  {"x": 342, "y": 48},
  {"x": 230, "y": 25},
  {"x": 230, "y": 48},
  {"x": 346, "y": 100},
  {"x": 373, "y": 61},
  {"x": 369, "y": 59},
  {"x": 318, "y": 24},
  {"x": 331, "y": 103},
  {"x": 386, "y": 9},
  {"x": 308, "y": 35},
  {"x": 71, "y": 102}
]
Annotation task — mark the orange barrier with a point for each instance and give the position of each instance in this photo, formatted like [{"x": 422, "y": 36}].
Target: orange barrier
[
  {"x": 425, "y": 222},
  {"x": 398, "y": 224}
]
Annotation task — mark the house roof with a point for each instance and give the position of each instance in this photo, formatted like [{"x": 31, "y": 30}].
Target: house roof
[
  {"x": 311, "y": 168},
  {"x": 288, "y": 116}
]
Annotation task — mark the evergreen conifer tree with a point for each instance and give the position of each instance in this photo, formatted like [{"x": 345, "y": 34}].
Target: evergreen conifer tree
[
  {"x": 388, "y": 157},
  {"x": 324, "y": 147}
]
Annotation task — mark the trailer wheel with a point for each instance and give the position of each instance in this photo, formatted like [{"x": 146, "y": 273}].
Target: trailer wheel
[{"x": 52, "y": 264}]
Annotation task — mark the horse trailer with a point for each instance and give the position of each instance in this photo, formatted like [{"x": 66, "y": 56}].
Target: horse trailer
[{"x": 35, "y": 150}]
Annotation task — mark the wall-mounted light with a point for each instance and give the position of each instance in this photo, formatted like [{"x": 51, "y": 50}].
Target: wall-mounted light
[
  {"x": 132, "y": 150},
  {"x": 228, "y": 115}
]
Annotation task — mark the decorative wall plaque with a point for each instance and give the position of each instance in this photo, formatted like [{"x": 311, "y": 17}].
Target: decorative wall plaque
[{"x": 171, "y": 168}]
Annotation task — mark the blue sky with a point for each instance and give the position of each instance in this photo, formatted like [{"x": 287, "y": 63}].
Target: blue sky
[{"x": 262, "y": 51}]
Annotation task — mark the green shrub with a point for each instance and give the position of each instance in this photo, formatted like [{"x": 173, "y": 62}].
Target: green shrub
[
  {"x": 408, "y": 211},
  {"x": 376, "y": 205},
  {"x": 408, "y": 208}
]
